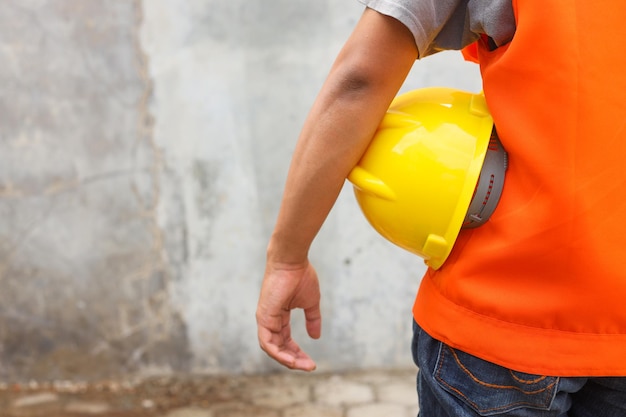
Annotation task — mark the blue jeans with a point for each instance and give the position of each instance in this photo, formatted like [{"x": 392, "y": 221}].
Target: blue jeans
[{"x": 451, "y": 383}]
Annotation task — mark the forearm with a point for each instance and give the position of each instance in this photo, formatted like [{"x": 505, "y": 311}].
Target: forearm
[
  {"x": 329, "y": 146},
  {"x": 343, "y": 119}
]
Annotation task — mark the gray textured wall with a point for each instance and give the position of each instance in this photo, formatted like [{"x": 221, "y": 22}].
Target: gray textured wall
[{"x": 143, "y": 148}]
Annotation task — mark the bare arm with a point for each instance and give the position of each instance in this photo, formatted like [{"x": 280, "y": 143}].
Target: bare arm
[{"x": 366, "y": 75}]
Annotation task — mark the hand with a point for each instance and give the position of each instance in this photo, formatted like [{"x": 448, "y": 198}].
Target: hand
[{"x": 284, "y": 288}]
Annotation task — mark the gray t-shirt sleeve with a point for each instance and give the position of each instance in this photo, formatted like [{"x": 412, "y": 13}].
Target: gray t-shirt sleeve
[{"x": 450, "y": 24}]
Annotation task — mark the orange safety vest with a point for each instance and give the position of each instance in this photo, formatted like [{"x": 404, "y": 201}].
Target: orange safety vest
[{"x": 541, "y": 287}]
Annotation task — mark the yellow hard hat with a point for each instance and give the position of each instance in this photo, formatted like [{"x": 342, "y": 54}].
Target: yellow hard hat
[{"x": 419, "y": 181}]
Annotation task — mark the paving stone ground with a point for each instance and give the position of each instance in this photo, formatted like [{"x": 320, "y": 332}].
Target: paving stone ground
[{"x": 377, "y": 393}]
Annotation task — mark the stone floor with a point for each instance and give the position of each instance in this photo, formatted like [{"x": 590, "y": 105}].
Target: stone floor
[{"x": 389, "y": 393}]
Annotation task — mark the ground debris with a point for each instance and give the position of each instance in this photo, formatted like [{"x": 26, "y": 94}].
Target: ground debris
[
  {"x": 286, "y": 394},
  {"x": 152, "y": 396}
]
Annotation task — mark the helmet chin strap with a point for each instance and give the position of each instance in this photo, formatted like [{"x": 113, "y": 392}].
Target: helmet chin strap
[{"x": 490, "y": 183}]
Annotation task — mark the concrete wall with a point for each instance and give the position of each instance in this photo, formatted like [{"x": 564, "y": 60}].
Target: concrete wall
[{"x": 143, "y": 148}]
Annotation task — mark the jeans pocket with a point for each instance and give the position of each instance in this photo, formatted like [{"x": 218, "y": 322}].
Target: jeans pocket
[{"x": 490, "y": 389}]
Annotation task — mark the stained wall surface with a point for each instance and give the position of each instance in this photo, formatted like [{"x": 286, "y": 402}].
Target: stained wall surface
[{"x": 143, "y": 150}]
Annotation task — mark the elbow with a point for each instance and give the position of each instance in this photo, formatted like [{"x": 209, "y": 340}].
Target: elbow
[{"x": 356, "y": 81}]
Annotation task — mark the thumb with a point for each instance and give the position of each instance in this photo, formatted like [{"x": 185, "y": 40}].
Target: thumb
[{"x": 313, "y": 316}]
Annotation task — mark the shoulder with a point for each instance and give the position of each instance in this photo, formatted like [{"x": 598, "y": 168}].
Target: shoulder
[{"x": 450, "y": 24}]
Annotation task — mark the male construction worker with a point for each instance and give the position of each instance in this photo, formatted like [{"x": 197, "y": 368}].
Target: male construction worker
[{"x": 526, "y": 317}]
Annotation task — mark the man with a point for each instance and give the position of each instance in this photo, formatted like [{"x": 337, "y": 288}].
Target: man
[{"x": 526, "y": 317}]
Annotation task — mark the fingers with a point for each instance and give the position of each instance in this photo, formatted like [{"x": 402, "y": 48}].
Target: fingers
[
  {"x": 280, "y": 347},
  {"x": 295, "y": 358}
]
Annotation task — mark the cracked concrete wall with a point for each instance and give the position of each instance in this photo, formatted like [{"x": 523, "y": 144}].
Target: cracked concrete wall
[
  {"x": 86, "y": 290},
  {"x": 143, "y": 149}
]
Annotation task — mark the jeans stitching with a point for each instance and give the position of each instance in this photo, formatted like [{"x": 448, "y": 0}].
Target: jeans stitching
[
  {"x": 483, "y": 383},
  {"x": 440, "y": 361},
  {"x": 525, "y": 381}
]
